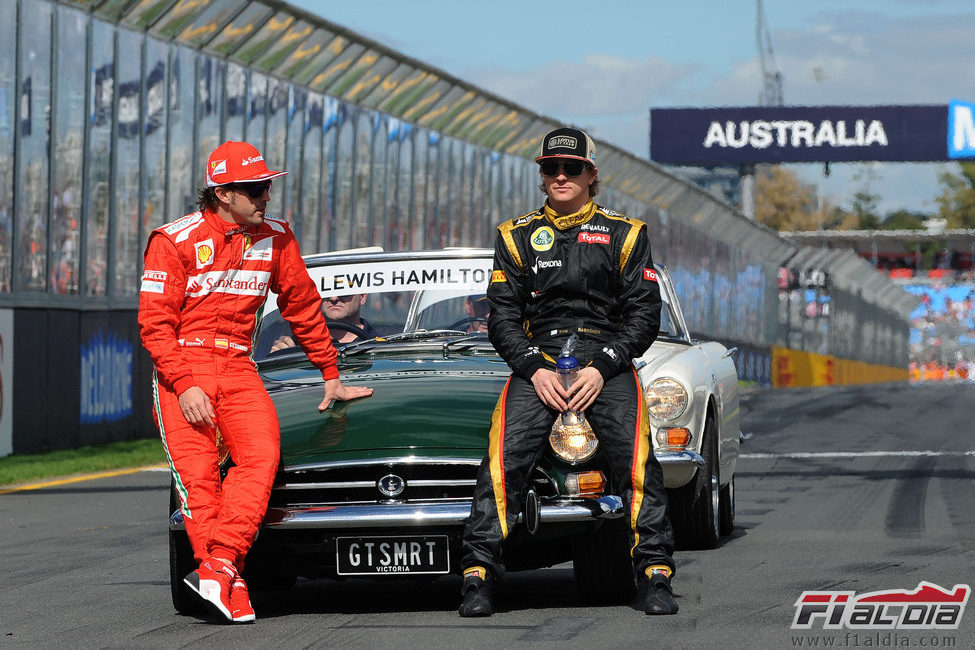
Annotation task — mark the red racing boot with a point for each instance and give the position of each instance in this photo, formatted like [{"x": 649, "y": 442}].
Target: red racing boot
[
  {"x": 241, "y": 610},
  {"x": 212, "y": 582}
]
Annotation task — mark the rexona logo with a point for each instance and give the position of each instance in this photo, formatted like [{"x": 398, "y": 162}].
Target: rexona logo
[
  {"x": 927, "y": 607},
  {"x": 106, "y": 379},
  {"x": 961, "y": 129}
]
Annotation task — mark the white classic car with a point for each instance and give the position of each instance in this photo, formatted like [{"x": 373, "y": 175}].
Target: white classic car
[{"x": 693, "y": 400}]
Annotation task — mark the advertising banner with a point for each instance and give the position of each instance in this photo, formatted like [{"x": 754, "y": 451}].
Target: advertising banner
[
  {"x": 6, "y": 382},
  {"x": 779, "y": 134}
]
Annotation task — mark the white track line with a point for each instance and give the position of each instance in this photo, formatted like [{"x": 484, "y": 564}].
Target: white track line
[{"x": 856, "y": 454}]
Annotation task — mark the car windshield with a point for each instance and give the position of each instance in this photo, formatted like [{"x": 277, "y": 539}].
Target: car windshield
[
  {"x": 388, "y": 298},
  {"x": 668, "y": 322},
  {"x": 395, "y": 298}
]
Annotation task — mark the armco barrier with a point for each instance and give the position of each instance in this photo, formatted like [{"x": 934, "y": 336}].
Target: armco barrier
[{"x": 795, "y": 368}]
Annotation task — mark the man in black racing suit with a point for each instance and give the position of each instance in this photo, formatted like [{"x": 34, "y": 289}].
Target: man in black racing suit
[{"x": 570, "y": 267}]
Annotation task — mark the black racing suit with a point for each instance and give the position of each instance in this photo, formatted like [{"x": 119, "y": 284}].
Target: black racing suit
[{"x": 590, "y": 273}]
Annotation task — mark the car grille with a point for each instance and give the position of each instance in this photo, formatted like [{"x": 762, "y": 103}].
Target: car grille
[{"x": 422, "y": 481}]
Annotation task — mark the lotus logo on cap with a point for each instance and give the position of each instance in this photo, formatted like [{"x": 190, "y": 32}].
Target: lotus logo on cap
[
  {"x": 391, "y": 485},
  {"x": 562, "y": 142}
]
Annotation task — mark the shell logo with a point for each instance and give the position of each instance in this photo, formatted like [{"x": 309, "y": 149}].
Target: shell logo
[{"x": 204, "y": 253}]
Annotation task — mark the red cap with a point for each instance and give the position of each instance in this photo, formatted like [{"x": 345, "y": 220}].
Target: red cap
[{"x": 237, "y": 162}]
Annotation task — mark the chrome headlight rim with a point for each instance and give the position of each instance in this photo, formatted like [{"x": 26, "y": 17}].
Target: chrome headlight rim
[{"x": 663, "y": 406}]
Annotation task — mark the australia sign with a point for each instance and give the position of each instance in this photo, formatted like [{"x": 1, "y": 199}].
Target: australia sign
[{"x": 778, "y": 134}]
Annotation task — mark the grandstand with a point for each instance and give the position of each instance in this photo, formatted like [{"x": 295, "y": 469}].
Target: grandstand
[{"x": 935, "y": 265}]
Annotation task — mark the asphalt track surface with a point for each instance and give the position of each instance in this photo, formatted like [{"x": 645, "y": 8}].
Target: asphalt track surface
[{"x": 857, "y": 489}]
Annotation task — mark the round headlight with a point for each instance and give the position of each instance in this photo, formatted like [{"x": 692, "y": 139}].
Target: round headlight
[
  {"x": 572, "y": 439},
  {"x": 666, "y": 398}
]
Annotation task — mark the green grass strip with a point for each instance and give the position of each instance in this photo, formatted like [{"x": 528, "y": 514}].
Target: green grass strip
[{"x": 23, "y": 468}]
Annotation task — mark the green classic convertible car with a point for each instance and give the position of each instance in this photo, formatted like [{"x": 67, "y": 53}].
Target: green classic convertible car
[{"x": 381, "y": 486}]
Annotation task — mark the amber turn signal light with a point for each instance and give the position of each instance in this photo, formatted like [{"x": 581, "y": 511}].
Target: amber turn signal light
[
  {"x": 585, "y": 483},
  {"x": 676, "y": 437}
]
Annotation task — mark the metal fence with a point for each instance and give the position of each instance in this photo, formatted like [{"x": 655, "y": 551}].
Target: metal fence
[{"x": 109, "y": 108}]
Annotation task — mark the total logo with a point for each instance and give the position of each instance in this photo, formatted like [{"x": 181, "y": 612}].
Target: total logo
[
  {"x": 926, "y": 607},
  {"x": 592, "y": 238},
  {"x": 545, "y": 264}
]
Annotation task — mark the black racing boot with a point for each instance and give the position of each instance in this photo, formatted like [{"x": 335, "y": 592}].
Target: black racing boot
[
  {"x": 478, "y": 600},
  {"x": 658, "y": 594}
]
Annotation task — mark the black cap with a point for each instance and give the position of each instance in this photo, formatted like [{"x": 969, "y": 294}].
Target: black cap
[{"x": 568, "y": 143}]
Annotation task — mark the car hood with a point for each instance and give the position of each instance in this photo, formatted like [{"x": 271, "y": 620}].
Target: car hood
[
  {"x": 431, "y": 407},
  {"x": 660, "y": 353}
]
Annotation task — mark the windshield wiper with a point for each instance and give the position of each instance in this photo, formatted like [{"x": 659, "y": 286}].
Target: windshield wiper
[
  {"x": 470, "y": 340},
  {"x": 365, "y": 346}
]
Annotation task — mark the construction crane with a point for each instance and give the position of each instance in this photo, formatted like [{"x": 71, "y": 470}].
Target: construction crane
[{"x": 771, "y": 94}]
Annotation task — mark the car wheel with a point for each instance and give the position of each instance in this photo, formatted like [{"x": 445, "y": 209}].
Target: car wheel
[
  {"x": 694, "y": 508},
  {"x": 181, "y": 563},
  {"x": 602, "y": 565},
  {"x": 261, "y": 580},
  {"x": 727, "y": 498}
]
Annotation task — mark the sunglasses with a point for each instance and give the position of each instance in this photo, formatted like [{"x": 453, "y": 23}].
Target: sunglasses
[
  {"x": 570, "y": 168},
  {"x": 253, "y": 190}
]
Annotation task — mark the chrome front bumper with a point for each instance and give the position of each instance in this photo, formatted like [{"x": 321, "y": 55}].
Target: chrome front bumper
[
  {"x": 686, "y": 459},
  {"x": 406, "y": 515}
]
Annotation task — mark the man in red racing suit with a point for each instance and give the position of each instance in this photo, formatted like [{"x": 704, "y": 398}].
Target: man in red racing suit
[
  {"x": 205, "y": 277},
  {"x": 571, "y": 267}
]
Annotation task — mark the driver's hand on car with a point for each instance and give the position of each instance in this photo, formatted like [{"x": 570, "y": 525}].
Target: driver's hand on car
[
  {"x": 336, "y": 391},
  {"x": 283, "y": 343}
]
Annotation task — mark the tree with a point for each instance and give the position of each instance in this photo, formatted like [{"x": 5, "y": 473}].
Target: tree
[
  {"x": 782, "y": 201},
  {"x": 956, "y": 203},
  {"x": 864, "y": 206},
  {"x": 904, "y": 220}
]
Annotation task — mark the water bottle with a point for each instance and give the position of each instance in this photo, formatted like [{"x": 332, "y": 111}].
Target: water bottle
[{"x": 572, "y": 437}]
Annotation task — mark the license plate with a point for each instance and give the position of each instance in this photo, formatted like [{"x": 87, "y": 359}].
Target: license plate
[{"x": 404, "y": 554}]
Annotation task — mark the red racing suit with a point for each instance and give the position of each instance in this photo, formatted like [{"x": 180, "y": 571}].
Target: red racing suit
[{"x": 204, "y": 280}]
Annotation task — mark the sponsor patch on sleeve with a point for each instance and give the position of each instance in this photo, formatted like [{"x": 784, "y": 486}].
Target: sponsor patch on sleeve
[
  {"x": 649, "y": 274},
  {"x": 153, "y": 281},
  {"x": 498, "y": 276}
]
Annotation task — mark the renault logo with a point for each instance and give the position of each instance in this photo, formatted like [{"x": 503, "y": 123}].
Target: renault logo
[{"x": 391, "y": 485}]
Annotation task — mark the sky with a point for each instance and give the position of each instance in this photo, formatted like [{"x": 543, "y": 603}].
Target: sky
[{"x": 601, "y": 65}]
